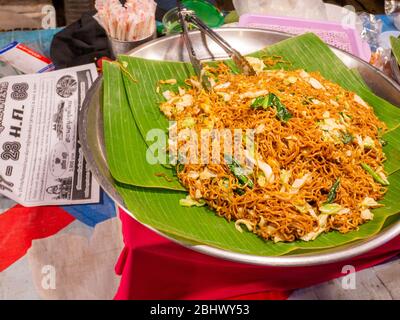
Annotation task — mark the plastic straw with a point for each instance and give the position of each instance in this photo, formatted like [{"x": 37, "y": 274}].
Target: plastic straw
[{"x": 130, "y": 22}]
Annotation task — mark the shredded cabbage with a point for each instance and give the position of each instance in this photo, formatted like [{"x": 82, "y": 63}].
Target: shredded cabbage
[
  {"x": 366, "y": 214},
  {"x": 188, "y": 122},
  {"x": 190, "y": 202},
  {"x": 331, "y": 208},
  {"x": 299, "y": 183},
  {"x": 369, "y": 203},
  {"x": 247, "y": 223},
  {"x": 257, "y": 64}
]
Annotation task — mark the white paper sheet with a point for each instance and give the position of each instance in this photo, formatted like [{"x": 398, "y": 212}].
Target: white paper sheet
[{"x": 41, "y": 162}]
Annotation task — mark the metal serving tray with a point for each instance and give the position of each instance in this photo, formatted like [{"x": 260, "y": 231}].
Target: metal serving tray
[{"x": 246, "y": 41}]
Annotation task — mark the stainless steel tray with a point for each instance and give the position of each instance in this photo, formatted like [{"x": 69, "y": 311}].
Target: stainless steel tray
[
  {"x": 395, "y": 68},
  {"x": 246, "y": 41}
]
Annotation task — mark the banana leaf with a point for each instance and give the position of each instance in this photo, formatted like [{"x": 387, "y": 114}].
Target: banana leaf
[
  {"x": 125, "y": 149},
  {"x": 158, "y": 207},
  {"x": 395, "y": 42},
  {"x": 161, "y": 210}
]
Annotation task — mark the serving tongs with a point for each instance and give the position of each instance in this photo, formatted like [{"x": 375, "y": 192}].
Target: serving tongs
[{"x": 188, "y": 16}]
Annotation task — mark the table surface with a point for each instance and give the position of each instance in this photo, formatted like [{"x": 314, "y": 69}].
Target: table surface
[{"x": 381, "y": 282}]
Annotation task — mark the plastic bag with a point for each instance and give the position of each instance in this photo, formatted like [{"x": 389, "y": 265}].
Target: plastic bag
[
  {"x": 372, "y": 29},
  {"x": 308, "y": 9},
  {"x": 371, "y": 33}
]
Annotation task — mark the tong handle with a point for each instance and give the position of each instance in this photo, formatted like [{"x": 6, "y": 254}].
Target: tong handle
[
  {"x": 196, "y": 63},
  {"x": 185, "y": 16},
  {"x": 239, "y": 60},
  {"x": 188, "y": 43}
]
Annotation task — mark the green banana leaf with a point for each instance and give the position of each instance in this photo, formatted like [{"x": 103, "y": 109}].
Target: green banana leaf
[
  {"x": 149, "y": 200},
  {"x": 125, "y": 148},
  {"x": 304, "y": 52},
  {"x": 161, "y": 210},
  {"x": 395, "y": 42}
]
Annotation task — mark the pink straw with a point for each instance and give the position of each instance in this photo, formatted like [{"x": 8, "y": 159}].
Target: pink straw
[{"x": 133, "y": 21}]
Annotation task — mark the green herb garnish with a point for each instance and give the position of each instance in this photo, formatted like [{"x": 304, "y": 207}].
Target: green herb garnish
[
  {"x": 260, "y": 103},
  {"x": 375, "y": 175},
  {"x": 239, "y": 173},
  {"x": 347, "y": 138},
  {"x": 282, "y": 113},
  {"x": 272, "y": 100},
  {"x": 333, "y": 191}
]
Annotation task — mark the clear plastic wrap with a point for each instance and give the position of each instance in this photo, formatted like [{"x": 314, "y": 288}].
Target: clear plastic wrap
[
  {"x": 372, "y": 30},
  {"x": 309, "y": 9}
]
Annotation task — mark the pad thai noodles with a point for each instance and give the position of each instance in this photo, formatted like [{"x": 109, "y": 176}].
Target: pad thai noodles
[{"x": 316, "y": 161}]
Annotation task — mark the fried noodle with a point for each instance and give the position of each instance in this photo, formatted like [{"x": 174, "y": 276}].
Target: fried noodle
[{"x": 330, "y": 134}]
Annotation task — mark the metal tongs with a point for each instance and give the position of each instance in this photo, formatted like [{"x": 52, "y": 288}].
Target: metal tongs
[{"x": 186, "y": 16}]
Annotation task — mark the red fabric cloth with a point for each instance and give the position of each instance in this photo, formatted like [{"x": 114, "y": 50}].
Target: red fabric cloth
[
  {"x": 153, "y": 267},
  {"x": 20, "y": 225}
]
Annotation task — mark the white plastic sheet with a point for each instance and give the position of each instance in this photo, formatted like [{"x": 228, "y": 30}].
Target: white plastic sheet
[{"x": 308, "y": 9}]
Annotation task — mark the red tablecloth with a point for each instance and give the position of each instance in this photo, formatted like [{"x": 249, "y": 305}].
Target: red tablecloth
[{"x": 152, "y": 267}]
